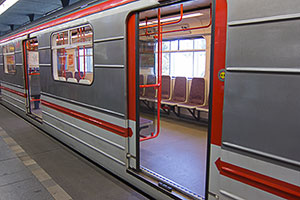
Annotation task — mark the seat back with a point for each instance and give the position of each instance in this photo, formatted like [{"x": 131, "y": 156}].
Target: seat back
[
  {"x": 165, "y": 87},
  {"x": 179, "y": 91},
  {"x": 77, "y": 75},
  {"x": 197, "y": 91},
  {"x": 69, "y": 75},
  {"x": 150, "y": 92}
]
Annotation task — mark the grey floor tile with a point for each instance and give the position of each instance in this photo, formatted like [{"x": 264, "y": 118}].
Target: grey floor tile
[
  {"x": 5, "y": 152},
  {"x": 29, "y": 189},
  {"x": 75, "y": 174},
  {"x": 11, "y": 166},
  {"x": 37, "y": 145},
  {"x": 15, "y": 177}
]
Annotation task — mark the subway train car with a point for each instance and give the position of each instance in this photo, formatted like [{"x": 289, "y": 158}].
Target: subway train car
[{"x": 139, "y": 87}]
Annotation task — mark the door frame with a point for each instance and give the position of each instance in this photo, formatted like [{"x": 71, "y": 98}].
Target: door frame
[{"x": 26, "y": 77}]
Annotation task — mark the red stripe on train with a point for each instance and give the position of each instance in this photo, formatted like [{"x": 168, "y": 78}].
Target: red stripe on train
[
  {"x": 263, "y": 182},
  {"x": 81, "y": 13},
  {"x": 14, "y": 91},
  {"x": 124, "y": 132}
]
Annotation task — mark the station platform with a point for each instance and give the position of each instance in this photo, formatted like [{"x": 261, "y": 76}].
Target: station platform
[{"x": 35, "y": 166}]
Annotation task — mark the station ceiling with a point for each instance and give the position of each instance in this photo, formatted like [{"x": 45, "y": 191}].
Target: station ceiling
[{"x": 25, "y": 11}]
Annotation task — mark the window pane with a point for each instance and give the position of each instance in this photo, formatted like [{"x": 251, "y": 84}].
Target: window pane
[
  {"x": 9, "y": 59},
  {"x": 165, "y": 64},
  {"x": 61, "y": 60},
  {"x": 182, "y": 64},
  {"x": 84, "y": 64},
  {"x": 74, "y": 62},
  {"x": 199, "y": 64},
  {"x": 174, "y": 45},
  {"x": 185, "y": 44},
  {"x": 200, "y": 43},
  {"x": 82, "y": 34},
  {"x": 189, "y": 64},
  {"x": 61, "y": 38},
  {"x": 166, "y": 46}
]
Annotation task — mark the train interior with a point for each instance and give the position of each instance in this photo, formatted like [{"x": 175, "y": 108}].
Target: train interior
[
  {"x": 33, "y": 77},
  {"x": 177, "y": 152}
]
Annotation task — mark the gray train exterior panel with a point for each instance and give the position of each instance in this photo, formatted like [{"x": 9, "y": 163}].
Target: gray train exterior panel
[
  {"x": 19, "y": 58},
  {"x": 44, "y": 40},
  {"x": 260, "y": 112},
  {"x": 245, "y": 9},
  {"x": 45, "y": 56},
  {"x": 16, "y": 78},
  {"x": 274, "y": 45},
  {"x": 98, "y": 94},
  {"x": 260, "y": 98},
  {"x": 109, "y": 26},
  {"x": 108, "y": 53}
]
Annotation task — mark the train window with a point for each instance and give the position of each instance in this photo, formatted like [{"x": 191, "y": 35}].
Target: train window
[
  {"x": 9, "y": 59},
  {"x": 72, "y": 54},
  {"x": 184, "y": 57}
]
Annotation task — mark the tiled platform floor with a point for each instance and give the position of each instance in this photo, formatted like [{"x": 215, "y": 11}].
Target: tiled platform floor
[{"x": 34, "y": 166}]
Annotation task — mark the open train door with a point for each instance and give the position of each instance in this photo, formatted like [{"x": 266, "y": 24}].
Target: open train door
[
  {"x": 32, "y": 77},
  {"x": 132, "y": 74},
  {"x": 216, "y": 21}
]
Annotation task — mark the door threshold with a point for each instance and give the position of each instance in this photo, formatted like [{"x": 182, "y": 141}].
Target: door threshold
[
  {"x": 37, "y": 118},
  {"x": 168, "y": 185}
]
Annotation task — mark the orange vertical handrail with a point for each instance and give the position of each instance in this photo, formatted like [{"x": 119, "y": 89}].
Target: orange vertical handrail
[
  {"x": 146, "y": 19},
  {"x": 84, "y": 69},
  {"x": 82, "y": 35},
  {"x": 158, "y": 85},
  {"x": 78, "y": 58},
  {"x": 64, "y": 53},
  {"x": 62, "y": 63}
]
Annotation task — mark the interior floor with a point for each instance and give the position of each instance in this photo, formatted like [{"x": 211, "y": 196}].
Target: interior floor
[{"x": 178, "y": 153}]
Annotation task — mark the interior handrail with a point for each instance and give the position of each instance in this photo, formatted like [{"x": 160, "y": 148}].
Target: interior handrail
[
  {"x": 84, "y": 69},
  {"x": 185, "y": 29},
  {"x": 78, "y": 54},
  {"x": 146, "y": 20},
  {"x": 158, "y": 85},
  {"x": 64, "y": 69},
  {"x": 150, "y": 85},
  {"x": 177, "y": 21},
  {"x": 82, "y": 35},
  {"x": 35, "y": 73},
  {"x": 167, "y": 23},
  {"x": 64, "y": 52}
]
